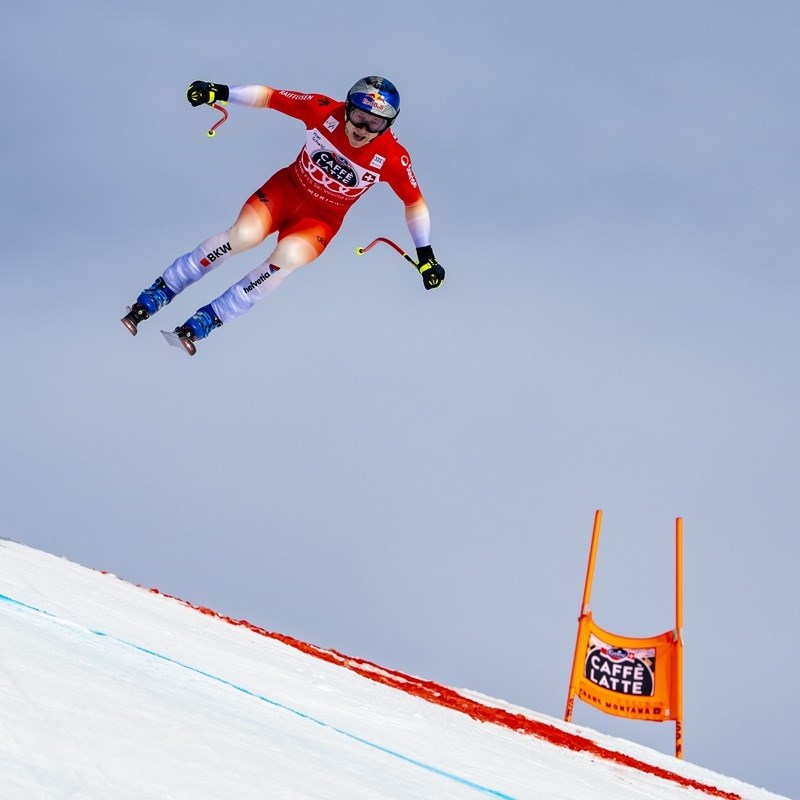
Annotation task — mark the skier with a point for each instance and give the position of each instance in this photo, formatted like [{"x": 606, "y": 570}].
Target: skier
[{"x": 349, "y": 148}]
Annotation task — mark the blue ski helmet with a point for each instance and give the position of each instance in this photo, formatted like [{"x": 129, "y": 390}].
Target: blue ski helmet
[{"x": 376, "y": 95}]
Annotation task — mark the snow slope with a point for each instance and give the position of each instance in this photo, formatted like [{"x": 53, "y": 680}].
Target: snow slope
[{"x": 114, "y": 691}]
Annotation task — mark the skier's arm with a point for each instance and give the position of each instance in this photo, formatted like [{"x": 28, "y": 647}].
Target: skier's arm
[
  {"x": 253, "y": 96},
  {"x": 418, "y": 220},
  {"x": 400, "y": 176},
  {"x": 203, "y": 92},
  {"x": 302, "y": 106}
]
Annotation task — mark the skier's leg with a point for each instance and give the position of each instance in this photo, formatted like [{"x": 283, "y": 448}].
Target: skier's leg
[
  {"x": 293, "y": 252},
  {"x": 301, "y": 241},
  {"x": 290, "y": 253},
  {"x": 307, "y": 239},
  {"x": 254, "y": 223},
  {"x": 249, "y": 230}
]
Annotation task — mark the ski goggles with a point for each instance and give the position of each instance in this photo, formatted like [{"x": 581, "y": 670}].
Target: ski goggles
[{"x": 363, "y": 119}]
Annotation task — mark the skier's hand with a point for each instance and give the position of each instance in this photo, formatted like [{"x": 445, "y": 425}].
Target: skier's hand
[
  {"x": 201, "y": 92},
  {"x": 431, "y": 270}
]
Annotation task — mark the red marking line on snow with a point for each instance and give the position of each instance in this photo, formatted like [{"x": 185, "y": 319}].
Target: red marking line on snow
[{"x": 441, "y": 695}]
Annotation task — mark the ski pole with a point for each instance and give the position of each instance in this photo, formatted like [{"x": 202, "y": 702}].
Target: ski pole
[
  {"x": 361, "y": 250},
  {"x": 212, "y": 131}
]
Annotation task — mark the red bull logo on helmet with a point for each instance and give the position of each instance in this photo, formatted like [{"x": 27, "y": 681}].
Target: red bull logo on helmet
[{"x": 375, "y": 101}]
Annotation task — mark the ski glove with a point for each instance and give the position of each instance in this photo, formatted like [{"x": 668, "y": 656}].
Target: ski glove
[
  {"x": 203, "y": 92},
  {"x": 431, "y": 270}
]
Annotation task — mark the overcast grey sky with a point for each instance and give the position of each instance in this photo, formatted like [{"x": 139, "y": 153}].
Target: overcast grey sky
[{"x": 410, "y": 476}]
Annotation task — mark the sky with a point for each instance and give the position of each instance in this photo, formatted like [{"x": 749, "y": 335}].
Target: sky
[
  {"x": 613, "y": 191},
  {"x": 112, "y": 689}
]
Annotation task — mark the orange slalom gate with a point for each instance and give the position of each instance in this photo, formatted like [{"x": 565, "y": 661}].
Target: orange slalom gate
[{"x": 637, "y": 678}]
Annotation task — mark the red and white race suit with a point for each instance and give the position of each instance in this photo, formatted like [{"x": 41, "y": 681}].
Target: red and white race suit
[{"x": 305, "y": 202}]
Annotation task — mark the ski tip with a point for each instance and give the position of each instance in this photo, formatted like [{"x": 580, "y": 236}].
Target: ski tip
[{"x": 180, "y": 341}]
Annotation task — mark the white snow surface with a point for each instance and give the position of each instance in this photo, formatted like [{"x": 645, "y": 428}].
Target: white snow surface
[{"x": 109, "y": 690}]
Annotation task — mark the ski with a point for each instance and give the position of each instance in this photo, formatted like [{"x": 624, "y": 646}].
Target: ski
[{"x": 176, "y": 340}]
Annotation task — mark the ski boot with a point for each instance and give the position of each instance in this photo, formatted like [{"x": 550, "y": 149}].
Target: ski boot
[
  {"x": 147, "y": 303},
  {"x": 196, "y": 327}
]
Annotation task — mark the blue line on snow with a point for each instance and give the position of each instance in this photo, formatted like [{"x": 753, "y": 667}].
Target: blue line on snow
[{"x": 380, "y": 748}]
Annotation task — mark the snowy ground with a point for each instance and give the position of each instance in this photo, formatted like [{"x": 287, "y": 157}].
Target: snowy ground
[{"x": 112, "y": 691}]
